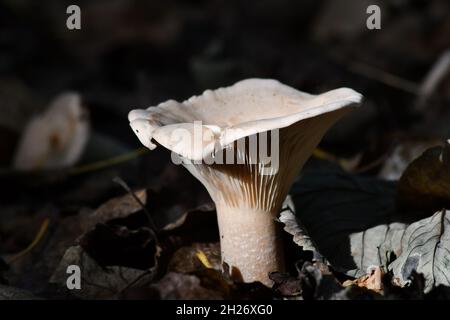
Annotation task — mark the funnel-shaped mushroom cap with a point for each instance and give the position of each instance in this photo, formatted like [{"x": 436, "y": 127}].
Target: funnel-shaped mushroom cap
[
  {"x": 237, "y": 120},
  {"x": 216, "y": 120},
  {"x": 228, "y": 114}
]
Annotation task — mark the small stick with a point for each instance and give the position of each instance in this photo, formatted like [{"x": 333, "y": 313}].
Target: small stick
[
  {"x": 387, "y": 78},
  {"x": 98, "y": 165},
  {"x": 433, "y": 78},
  {"x": 151, "y": 223}
]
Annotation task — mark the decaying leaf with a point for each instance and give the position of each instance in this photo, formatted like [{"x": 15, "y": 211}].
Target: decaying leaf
[
  {"x": 97, "y": 281},
  {"x": 294, "y": 227},
  {"x": 55, "y": 139},
  {"x": 286, "y": 285},
  {"x": 117, "y": 250},
  {"x": 424, "y": 187},
  {"x": 347, "y": 218},
  {"x": 373, "y": 280},
  {"x": 116, "y": 208},
  {"x": 421, "y": 246},
  {"x": 425, "y": 248},
  {"x": 314, "y": 281},
  {"x": 118, "y": 242}
]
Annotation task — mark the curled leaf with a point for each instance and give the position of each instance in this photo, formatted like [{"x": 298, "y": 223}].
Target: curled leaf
[
  {"x": 424, "y": 187},
  {"x": 425, "y": 248}
]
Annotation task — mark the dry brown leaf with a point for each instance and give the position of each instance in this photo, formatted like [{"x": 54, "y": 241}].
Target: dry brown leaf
[
  {"x": 424, "y": 187},
  {"x": 372, "y": 281},
  {"x": 97, "y": 282},
  {"x": 119, "y": 207}
]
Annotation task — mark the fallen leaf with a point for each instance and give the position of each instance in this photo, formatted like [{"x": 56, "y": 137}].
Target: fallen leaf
[
  {"x": 98, "y": 282},
  {"x": 373, "y": 280},
  {"x": 344, "y": 217},
  {"x": 424, "y": 187},
  {"x": 294, "y": 227},
  {"x": 394, "y": 291},
  {"x": 116, "y": 208},
  {"x": 314, "y": 281},
  {"x": 425, "y": 248},
  {"x": 285, "y": 284},
  {"x": 424, "y": 251}
]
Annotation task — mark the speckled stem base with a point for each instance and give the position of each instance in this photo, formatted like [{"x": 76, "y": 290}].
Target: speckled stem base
[{"x": 250, "y": 243}]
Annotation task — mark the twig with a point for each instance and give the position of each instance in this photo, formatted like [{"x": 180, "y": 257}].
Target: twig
[
  {"x": 384, "y": 77},
  {"x": 98, "y": 165},
  {"x": 375, "y": 163},
  {"x": 433, "y": 78},
  {"x": 373, "y": 73},
  {"x": 151, "y": 223}
]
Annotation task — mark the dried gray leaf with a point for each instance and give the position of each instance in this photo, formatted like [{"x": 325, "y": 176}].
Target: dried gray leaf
[
  {"x": 293, "y": 227},
  {"x": 97, "y": 282},
  {"x": 369, "y": 248},
  {"x": 331, "y": 225},
  {"x": 425, "y": 247},
  {"x": 372, "y": 247},
  {"x": 350, "y": 220}
]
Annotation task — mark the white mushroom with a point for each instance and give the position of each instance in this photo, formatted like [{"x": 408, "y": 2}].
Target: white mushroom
[
  {"x": 248, "y": 192},
  {"x": 55, "y": 139}
]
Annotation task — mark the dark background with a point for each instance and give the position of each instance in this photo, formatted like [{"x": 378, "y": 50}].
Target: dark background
[{"x": 134, "y": 54}]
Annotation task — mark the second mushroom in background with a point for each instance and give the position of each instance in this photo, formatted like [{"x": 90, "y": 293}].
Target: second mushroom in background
[
  {"x": 223, "y": 138},
  {"x": 55, "y": 139}
]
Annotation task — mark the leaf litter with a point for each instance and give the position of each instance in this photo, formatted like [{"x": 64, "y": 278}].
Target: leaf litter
[{"x": 348, "y": 234}]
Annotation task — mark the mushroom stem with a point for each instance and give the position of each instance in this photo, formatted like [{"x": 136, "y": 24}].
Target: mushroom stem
[{"x": 252, "y": 244}]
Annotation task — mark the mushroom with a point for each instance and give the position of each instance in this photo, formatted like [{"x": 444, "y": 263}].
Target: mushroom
[
  {"x": 228, "y": 125},
  {"x": 55, "y": 139}
]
